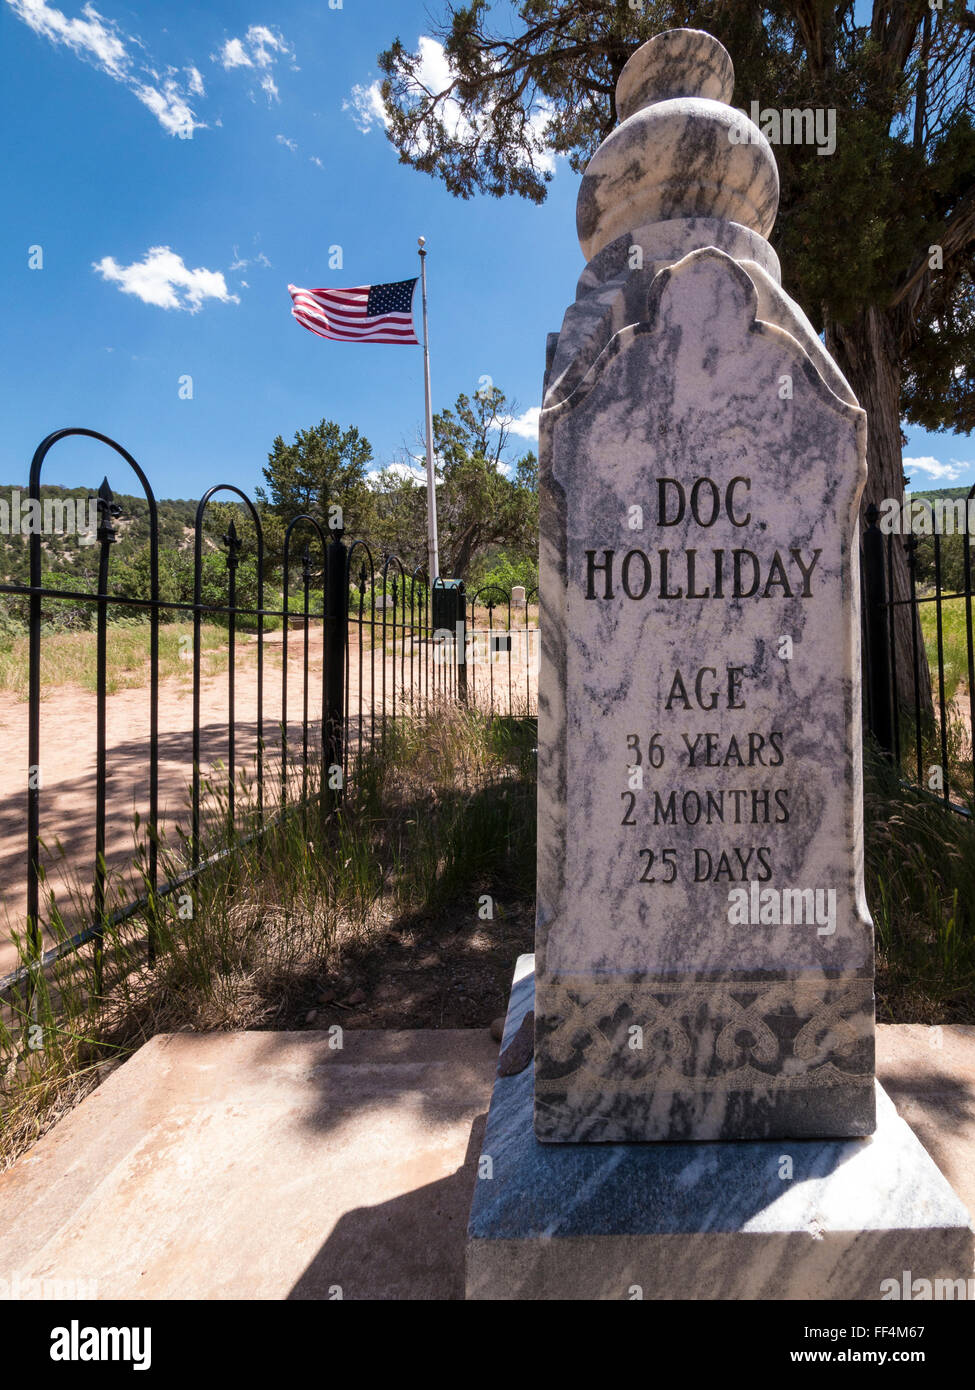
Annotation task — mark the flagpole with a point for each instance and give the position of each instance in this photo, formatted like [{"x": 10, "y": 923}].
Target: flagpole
[{"x": 433, "y": 558}]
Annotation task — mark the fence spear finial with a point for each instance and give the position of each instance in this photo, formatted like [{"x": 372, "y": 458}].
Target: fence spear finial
[
  {"x": 108, "y": 509},
  {"x": 233, "y": 543}
]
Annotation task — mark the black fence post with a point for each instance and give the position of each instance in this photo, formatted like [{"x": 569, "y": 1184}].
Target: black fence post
[
  {"x": 233, "y": 544},
  {"x": 34, "y": 933},
  {"x": 460, "y": 639},
  {"x": 108, "y": 511},
  {"x": 878, "y": 662},
  {"x": 333, "y": 675}
]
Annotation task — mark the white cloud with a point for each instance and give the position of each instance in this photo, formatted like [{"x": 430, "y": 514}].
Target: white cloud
[
  {"x": 434, "y": 74},
  {"x": 194, "y": 80},
  {"x": 169, "y": 106},
  {"x": 100, "y": 42},
  {"x": 241, "y": 262},
  {"x": 265, "y": 44},
  {"x": 415, "y": 473},
  {"x": 315, "y": 160},
  {"x": 415, "y": 469},
  {"x": 91, "y": 37},
  {"x": 366, "y": 105},
  {"x": 259, "y": 49},
  {"x": 291, "y": 145},
  {"x": 233, "y": 55},
  {"x": 162, "y": 279},
  {"x": 940, "y": 472},
  {"x": 524, "y": 425}
]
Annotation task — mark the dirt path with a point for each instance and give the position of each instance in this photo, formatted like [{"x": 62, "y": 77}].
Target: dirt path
[
  {"x": 68, "y": 735},
  {"x": 68, "y": 724}
]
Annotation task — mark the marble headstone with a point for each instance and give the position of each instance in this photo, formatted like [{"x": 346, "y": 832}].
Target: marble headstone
[{"x": 704, "y": 948}]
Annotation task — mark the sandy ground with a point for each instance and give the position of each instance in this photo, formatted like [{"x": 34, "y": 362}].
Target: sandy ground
[{"x": 68, "y": 725}]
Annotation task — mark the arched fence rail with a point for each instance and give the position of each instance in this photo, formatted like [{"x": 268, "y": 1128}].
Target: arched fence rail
[{"x": 363, "y": 644}]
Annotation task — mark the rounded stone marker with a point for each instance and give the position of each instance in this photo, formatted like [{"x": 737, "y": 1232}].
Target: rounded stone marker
[
  {"x": 680, "y": 152},
  {"x": 676, "y": 63}
]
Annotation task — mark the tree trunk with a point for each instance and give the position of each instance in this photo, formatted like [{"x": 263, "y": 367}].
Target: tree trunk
[
  {"x": 866, "y": 350},
  {"x": 460, "y": 558}
]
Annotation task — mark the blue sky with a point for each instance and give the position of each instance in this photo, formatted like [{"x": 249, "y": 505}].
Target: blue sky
[{"x": 166, "y": 257}]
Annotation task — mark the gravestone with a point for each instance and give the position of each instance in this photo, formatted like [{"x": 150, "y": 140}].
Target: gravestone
[
  {"x": 705, "y": 955},
  {"x": 704, "y": 952}
]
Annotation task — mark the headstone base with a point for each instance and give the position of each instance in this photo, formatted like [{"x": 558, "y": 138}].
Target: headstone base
[{"x": 707, "y": 1220}]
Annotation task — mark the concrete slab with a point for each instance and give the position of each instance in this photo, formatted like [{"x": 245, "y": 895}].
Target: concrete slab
[
  {"x": 265, "y": 1165},
  {"x": 259, "y": 1165}
]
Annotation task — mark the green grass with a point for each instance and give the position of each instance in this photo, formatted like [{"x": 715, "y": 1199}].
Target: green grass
[
  {"x": 958, "y": 730},
  {"x": 920, "y": 884},
  {"x": 71, "y": 656},
  {"x": 955, "y": 643}
]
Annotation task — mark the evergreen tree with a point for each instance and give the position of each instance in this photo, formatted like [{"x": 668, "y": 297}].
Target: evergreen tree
[{"x": 877, "y": 240}]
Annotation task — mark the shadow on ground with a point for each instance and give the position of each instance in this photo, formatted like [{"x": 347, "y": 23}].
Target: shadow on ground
[{"x": 407, "y": 1248}]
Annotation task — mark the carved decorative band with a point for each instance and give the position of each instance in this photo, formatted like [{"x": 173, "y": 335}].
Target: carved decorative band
[{"x": 724, "y": 1035}]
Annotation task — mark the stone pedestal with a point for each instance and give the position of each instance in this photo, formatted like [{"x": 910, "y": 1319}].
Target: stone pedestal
[{"x": 796, "y": 1219}]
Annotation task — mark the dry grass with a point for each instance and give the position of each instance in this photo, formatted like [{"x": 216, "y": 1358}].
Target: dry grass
[
  {"x": 70, "y": 657},
  {"x": 920, "y": 880},
  {"x": 443, "y": 809}
]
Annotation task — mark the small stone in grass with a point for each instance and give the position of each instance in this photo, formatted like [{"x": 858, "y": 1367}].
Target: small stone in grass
[
  {"x": 326, "y": 996},
  {"x": 358, "y": 996},
  {"x": 311, "y": 1015},
  {"x": 497, "y": 1029}
]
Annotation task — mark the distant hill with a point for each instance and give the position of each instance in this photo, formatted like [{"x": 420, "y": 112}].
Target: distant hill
[
  {"x": 62, "y": 552},
  {"x": 933, "y": 492}
]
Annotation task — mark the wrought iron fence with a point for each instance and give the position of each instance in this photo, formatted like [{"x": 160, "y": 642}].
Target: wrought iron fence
[
  {"x": 930, "y": 740},
  {"x": 393, "y": 667},
  {"x": 302, "y": 756},
  {"x": 502, "y": 658},
  {"x": 382, "y": 659}
]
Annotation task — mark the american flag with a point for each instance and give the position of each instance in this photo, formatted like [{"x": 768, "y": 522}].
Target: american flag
[{"x": 364, "y": 314}]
